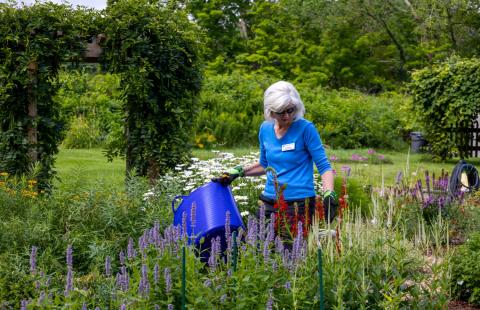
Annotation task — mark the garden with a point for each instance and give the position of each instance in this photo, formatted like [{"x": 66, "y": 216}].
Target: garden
[{"x": 93, "y": 156}]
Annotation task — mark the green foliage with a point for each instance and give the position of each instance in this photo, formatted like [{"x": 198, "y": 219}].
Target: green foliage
[
  {"x": 232, "y": 109},
  {"x": 34, "y": 41},
  {"x": 96, "y": 220},
  {"x": 465, "y": 266},
  {"x": 92, "y": 104},
  {"x": 350, "y": 119},
  {"x": 446, "y": 102},
  {"x": 154, "y": 48},
  {"x": 83, "y": 133}
]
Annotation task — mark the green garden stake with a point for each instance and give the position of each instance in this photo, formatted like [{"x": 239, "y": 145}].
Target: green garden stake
[
  {"x": 320, "y": 278},
  {"x": 184, "y": 280},
  {"x": 235, "y": 251}
]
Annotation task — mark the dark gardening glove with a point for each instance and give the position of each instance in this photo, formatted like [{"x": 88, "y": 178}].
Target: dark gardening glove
[
  {"x": 330, "y": 205},
  {"x": 226, "y": 178}
]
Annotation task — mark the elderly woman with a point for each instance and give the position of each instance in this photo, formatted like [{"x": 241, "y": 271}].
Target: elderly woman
[{"x": 290, "y": 145}]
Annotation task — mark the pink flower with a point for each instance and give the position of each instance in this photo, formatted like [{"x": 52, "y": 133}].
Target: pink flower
[
  {"x": 381, "y": 157},
  {"x": 356, "y": 157},
  {"x": 371, "y": 151},
  {"x": 333, "y": 158}
]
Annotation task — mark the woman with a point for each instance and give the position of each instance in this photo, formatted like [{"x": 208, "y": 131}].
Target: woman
[{"x": 290, "y": 145}]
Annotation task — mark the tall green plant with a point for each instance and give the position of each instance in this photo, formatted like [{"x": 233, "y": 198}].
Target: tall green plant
[
  {"x": 155, "y": 49},
  {"x": 446, "y": 99}
]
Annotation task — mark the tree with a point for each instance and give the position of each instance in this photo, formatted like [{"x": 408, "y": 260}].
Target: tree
[{"x": 155, "y": 49}]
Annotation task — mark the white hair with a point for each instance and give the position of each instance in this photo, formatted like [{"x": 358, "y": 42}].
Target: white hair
[{"x": 279, "y": 96}]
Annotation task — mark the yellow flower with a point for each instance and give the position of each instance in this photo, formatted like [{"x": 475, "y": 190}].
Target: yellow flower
[{"x": 4, "y": 174}]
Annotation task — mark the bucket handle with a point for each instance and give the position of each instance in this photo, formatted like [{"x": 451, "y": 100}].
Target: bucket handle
[{"x": 173, "y": 201}]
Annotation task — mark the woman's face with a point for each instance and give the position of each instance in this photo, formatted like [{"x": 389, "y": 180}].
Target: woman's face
[{"x": 285, "y": 117}]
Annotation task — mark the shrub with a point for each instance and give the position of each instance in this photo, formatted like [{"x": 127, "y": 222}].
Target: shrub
[
  {"x": 82, "y": 134},
  {"x": 446, "y": 103},
  {"x": 350, "y": 119},
  {"x": 465, "y": 266},
  {"x": 232, "y": 111}
]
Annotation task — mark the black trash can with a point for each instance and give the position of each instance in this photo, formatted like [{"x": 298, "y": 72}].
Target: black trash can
[{"x": 417, "y": 142}]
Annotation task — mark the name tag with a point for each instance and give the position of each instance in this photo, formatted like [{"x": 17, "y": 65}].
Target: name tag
[{"x": 288, "y": 147}]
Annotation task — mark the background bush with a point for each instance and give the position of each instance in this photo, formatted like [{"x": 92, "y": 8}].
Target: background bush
[
  {"x": 350, "y": 119},
  {"x": 232, "y": 111}
]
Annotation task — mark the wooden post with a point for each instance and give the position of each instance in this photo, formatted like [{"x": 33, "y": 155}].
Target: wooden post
[{"x": 32, "y": 133}]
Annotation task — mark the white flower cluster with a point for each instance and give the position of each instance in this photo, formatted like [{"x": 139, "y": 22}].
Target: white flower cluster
[{"x": 199, "y": 172}]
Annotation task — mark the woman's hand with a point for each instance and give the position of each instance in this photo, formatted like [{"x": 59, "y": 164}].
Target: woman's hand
[
  {"x": 226, "y": 178},
  {"x": 330, "y": 205}
]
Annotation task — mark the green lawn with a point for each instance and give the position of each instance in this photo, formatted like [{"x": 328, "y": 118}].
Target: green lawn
[
  {"x": 94, "y": 170},
  {"x": 91, "y": 166}
]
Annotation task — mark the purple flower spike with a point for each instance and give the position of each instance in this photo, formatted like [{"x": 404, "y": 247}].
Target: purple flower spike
[
  {"x": 84, "y": 306},
  {"x": 184, "y": 225},
  {"x": 33, "y": 260},
  {"x": 228, "y": 233},
  {"x": 122, "y": 258},
  {"x": 131, "y": 253},
  {"x": 69, "y": 282},
  {"x": 223, "y": 299},
  {"x": 207, "y": 283},
  {"x": 398, "y": 178},
  {"x": 144, "y": 285},
  {"x": 261, "y": 223},
  {"x": 212, "y": 260},
  {"x": 23, "y": 305},
  {"x": 41, "y": 298},
  {"x": 427, "y": 182},
  {"x": 123, "y": 307},
  {"x": 168, "y": 280},
  {"x": 252, "y": 229},
  {"x": 297, "y": 252},
  {"x": 170, "y": 307},
  {"x": 269, "y": 305}
]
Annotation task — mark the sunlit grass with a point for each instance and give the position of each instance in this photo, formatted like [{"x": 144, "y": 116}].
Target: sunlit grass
[{"x": 91, "y": 166}]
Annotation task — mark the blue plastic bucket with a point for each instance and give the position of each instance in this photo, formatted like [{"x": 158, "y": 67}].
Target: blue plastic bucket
[{"x": 212, "y": 201}]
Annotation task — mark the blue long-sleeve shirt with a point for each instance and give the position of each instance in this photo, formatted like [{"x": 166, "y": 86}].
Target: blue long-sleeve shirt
[{"x": 292, "y": 157}]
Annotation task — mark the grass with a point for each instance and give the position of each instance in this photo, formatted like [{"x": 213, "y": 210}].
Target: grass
[
  {"x": 91, "y": 166},
  {"x": 95, "y": 170}
]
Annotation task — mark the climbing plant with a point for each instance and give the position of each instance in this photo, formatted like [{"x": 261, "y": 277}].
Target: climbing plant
[
  {"x": 34, "y": 41},
  {"x": 155, "y": 48},
  {"x": 446, "y": 100}
]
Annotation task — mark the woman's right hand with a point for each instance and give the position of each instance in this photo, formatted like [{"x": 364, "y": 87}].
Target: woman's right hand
[{"x": 226, "y": 178}]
